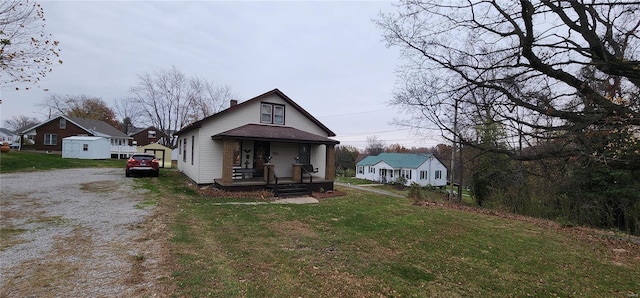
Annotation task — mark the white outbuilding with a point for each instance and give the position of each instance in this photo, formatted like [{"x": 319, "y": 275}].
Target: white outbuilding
[{"x": 82, "y": 147}]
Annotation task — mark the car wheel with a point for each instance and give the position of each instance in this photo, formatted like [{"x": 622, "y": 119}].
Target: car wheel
[{"x": 156, "y": 174}]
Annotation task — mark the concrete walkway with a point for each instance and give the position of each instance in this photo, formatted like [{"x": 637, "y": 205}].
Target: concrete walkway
[{"x": 367, "y": 188}]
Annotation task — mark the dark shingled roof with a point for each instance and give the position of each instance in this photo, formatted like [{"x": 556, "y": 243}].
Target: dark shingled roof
[
  {"x": 98, "y": 126},
  {"x": 95, "y": 127},
  {"x": 273, "y": 133}
]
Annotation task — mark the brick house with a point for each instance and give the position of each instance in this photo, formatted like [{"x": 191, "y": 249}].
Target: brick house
[
  {"x": 48, "y": 135},
  {"x": 146, "y": 136}
]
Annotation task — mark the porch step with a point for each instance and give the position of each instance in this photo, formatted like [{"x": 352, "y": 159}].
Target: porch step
[{"x": 290, "y": 190}]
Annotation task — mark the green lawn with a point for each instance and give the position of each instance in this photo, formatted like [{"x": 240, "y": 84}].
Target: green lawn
[
  {"x": 366, "y": 245},
  {"x": 29, "y": 161}
]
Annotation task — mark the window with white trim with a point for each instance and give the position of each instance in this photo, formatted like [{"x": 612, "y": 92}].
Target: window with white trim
[
  {"x": 272, "y": 113},
  {"x": 85, "y": 147},
  {"x": 438, "y": 174},
  {"x": 193, "y": 147},
  {"x": 63, "y": 123},
  {"x": 151, "y": 134},
  {"x": 424, "y": 175},
  {"x": 184, "y": 150},
  {"x": 360, "y": 170},
  {"x": 50, "y": 139}
]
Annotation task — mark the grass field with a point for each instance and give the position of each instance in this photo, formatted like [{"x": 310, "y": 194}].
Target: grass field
[
  {"x": 31, "y": 161},
  {"x": 368, "y": 245}
]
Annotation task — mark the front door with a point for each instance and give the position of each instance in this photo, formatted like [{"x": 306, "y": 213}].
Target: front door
[{"x": 260, "y": 155}]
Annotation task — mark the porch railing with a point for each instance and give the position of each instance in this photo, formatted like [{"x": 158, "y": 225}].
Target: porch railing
[
  {"x": 275, "y": 177},
  {"x": 123, "y": 150}
]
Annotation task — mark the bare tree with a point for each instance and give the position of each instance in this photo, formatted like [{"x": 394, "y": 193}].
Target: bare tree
[
  {"x": 19, "y": 122},
  {"x": 82, "y": 106},
  {"x": 129, "y": 111},
  {"x": 519, "y": 64},
  {"x": 27, "y": 52},
  {"x": 169, "y": 100},
  {"x": 375, "y": 145}
]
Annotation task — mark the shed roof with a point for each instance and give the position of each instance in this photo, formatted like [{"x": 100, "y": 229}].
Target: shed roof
[
  {"x": 83, "y": 138},
  {"x": 396, "y": 160}
]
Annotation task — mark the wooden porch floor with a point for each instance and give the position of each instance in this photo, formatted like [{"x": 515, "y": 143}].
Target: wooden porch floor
[{"x": 259, "y": 181}]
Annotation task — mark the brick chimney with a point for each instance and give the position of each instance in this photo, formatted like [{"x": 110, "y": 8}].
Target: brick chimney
[{"x": 233, "y": 102}]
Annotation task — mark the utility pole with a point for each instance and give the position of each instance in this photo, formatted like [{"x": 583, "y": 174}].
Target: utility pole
[{"x": 453, "y": 150}]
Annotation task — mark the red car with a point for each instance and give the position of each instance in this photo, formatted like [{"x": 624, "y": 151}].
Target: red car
[{"x": 140, "y": 163}]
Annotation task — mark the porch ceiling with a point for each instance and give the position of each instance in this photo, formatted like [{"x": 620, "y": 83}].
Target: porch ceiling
[{"x": 272, "y": 133}]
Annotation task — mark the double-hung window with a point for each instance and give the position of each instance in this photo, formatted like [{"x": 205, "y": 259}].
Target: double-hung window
[
  {"x": 184, "y": 150},
  {"x": 50, "y": 139},
  {"x": 63, "y": 123},
  {"x": 438, "y": 174},
  {"x": 272, "y": 113}
]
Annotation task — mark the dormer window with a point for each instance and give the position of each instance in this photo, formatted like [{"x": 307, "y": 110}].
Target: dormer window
[
  {"x": 272, "y": 114},
  {"x": 63, "y": 123}
]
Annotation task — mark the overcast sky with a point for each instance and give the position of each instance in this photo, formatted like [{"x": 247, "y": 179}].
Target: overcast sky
[{"x": 328, "y": 57}]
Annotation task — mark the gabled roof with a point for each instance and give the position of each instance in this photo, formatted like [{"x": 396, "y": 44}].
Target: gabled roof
[
  {"x": 277, "y": 92},
  {"x": 95, "y": 127},
  {"x": 7, "y": 132},
  {"x": 273, "y": 133},
  {"x": 137, "y": 130},
  {"x": 396, "y": 160}
]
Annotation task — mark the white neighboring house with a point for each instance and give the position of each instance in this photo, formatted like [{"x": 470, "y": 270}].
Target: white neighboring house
[
  {"x": 9, "y": 136},
  {"x": 422, "y": 169},
  {"x": 81, "y": 147}
]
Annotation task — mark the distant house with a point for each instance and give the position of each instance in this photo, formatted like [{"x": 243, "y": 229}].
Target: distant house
[
  {"x": 9, "y": 136},
  {"x": 259, "y": 143},
  {"x": 146, "y": 136},
  {"x": 423, "y": 169},
  {"x": 48, "y": 135}
]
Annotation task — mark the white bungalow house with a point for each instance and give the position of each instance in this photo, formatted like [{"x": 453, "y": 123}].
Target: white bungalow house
[
  {"x": 423, "y": 169},
  {"x": 262, "y": 142}
]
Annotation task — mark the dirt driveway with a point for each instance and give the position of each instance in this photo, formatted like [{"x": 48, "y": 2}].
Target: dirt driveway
[{"x": 78, "y": 233}]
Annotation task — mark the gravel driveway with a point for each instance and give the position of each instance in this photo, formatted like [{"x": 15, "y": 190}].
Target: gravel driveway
[{"x": 77, "y": 233}]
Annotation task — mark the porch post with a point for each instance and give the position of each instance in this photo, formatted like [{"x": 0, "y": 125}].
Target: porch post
[
  {"x": 227, "y": 161},
  {"x": 330, "y": 172}
]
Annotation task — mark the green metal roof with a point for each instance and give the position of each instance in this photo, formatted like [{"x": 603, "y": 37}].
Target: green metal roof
[{"x": 396, "y": 160}]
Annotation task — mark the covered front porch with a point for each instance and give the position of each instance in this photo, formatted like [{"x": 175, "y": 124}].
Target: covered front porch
[{"x": 258, "y": 157}]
